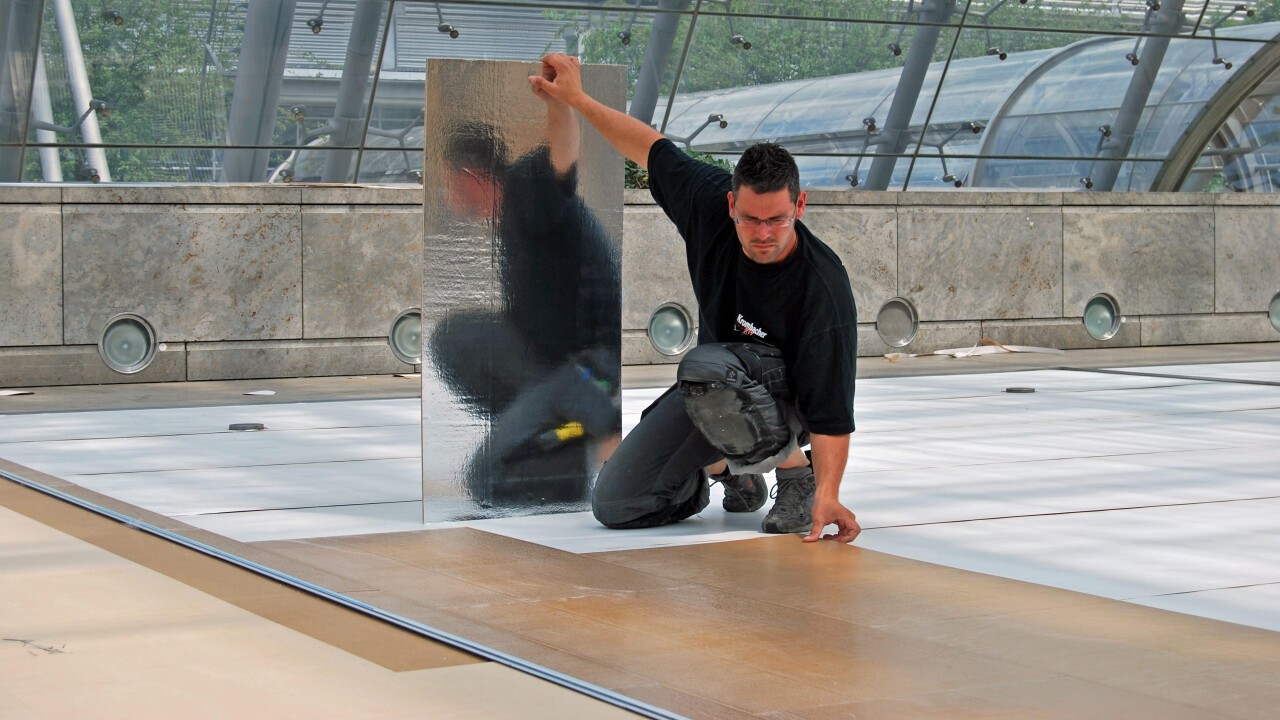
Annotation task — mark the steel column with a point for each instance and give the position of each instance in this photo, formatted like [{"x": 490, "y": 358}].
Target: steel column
[
  {"x": 1111, "y": 155},
  {"x": 259, "y": 75},
  {"x": 656, "y": 56},
  {"x": 19, "y": 44},
  {"x": 346, "y": 126},
  {"x": 894, "y": 135}
]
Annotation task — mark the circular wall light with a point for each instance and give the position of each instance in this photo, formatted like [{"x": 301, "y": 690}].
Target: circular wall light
[
  {"x": 127, "y": 344},
  {"x": 405, "y": 336},
  {"x": 897, "y": 322},
  {"x": 1101, "y": 317},
  {"x": 670, "y": 329},
  {"x": 1273, "y": 311}
]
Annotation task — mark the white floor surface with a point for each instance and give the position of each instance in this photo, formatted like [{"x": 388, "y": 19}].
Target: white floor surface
[{"x": 1159, "y": 486}]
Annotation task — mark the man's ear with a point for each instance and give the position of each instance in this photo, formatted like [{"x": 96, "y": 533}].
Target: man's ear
[
  {"x": 730, "y": 203},
  {"x": 800, "y": 200}
]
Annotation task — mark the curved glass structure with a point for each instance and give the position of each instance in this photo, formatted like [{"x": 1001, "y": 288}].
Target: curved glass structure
[{"x": 908, "y": 94}]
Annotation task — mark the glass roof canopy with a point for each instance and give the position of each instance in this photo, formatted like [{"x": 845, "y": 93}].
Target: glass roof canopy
[
  {"x": 1034, "y": 94},
  {"x": 1039, "y": 113}
]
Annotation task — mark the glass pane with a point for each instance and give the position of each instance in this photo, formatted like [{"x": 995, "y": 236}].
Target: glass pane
[{"x": 1244, "y": 154}]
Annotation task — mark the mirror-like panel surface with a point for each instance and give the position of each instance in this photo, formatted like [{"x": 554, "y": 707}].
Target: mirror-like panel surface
[{"x": 522, "y": 294}]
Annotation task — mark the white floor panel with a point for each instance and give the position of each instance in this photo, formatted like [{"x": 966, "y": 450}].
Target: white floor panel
[
  {"x": 181, "y": 493},
  {"x": 1122, "y": 554},
  {"x": 204, "y": 420},
  {"x": 227, "y": 449},
  {"x": 1253, "y": 605},
  {"x": 1157, "y": 490},
  {"x": 1257, "y": 371}
]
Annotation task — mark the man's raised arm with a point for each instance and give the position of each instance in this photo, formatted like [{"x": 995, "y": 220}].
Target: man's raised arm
[{"x": 561, "y": 80}]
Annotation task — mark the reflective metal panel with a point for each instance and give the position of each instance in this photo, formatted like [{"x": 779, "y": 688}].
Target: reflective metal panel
[{"x": 521, "y": 311}]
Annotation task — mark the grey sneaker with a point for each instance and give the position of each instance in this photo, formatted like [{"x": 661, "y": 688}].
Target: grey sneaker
[
  {"x": 792, "y": 512},
  {"x": 743, "y": 493}
]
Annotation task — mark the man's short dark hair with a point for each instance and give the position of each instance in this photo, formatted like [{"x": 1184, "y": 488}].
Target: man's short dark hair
[
  {"x": 477, "y": 146},
  {"x": 765, "y": 168}
]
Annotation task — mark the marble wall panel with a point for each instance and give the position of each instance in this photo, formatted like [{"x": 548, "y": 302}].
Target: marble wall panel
[
  {"x": 978, "y": 263},
  {"x": 291, "y": 358},
  {"x": 360, "y": 268},
  {"x": 39, "y": 194},
  {"x": 196, "y": 272},
  {"x": 654, "y": 270},
  {"x": 929, "y": 338},
  {"x": 1247, "y": 253},
  {"x": 81, "y": 365},
  {"x": 1206, "y": 329},
  {"x": 1152, "y": 261},
  {"x": 31, "y": 268},
  {"x": 1066, "y": 334},
  {"x": 209, "y": 194},
  {"x": 866, "y": 239},
  {"x": 637, "y": 350}
]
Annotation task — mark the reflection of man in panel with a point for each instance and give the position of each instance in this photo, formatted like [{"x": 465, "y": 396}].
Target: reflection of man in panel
[
  {"x": 774, "y": 367},
  {"x": 543, "y": 369}
]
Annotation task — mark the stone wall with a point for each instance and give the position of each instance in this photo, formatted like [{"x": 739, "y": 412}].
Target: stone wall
[{"x": 283, "y": 281}]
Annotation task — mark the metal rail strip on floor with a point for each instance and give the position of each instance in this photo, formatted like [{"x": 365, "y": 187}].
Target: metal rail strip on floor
[{"x": 567, "y": 681}]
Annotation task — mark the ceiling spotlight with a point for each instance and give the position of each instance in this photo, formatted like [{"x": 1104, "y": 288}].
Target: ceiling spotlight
[
  {"x": 719, "y": 119},
  {"x": 114, "y": 17},
  {"x": 448, "y": 29},
  {"x": 405, "y": 337},
  {"x": 625, "y": 36},
  {"x": 1223, "y": 62},
  {"x": 100, "y": 107},
  {"x": 897, "y": 322},
  {"x": 1087, "y": 182},
  {"x": 286, "y": 175},
  {"x": 974, "y": 127},
  {"x": 1153, "y": 5},
  {"x": 670, "y": 329},
  {"x": 1132, "y": 58},
  {"x": 895, "y": 48},
  {"x": 998, "y": 52},
  {"x": 299, "y": 113},
  {"x": 951, "y": 178},
  {"x": 127, "y": 344},
  {"x": 740, "y": 40},
  {"x": 853, "y": 180},
  {"x": 316, "y": 24},
  {"x": 870, "y": 124},
  {"x": 89, "y": 173},
  {"x": 1102, "y": 317}
]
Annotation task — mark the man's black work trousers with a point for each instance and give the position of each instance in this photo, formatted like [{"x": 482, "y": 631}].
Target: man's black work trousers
[{"x": 656, "y": 475}]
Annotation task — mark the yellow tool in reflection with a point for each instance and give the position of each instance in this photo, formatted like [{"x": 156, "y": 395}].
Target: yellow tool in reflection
[{"x": 546, "y": 440}]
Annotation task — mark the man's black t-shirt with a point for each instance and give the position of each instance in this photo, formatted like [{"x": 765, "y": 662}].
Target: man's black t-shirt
[{"x": 803, "y": 305}]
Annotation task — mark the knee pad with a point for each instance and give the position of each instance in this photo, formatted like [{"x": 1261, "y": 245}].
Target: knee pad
[{"x": 727, "y": 401}]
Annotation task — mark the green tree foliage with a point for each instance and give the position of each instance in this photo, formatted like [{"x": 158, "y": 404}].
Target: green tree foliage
[
  {"x": 155, "y": 74},
  {"x": 637, "y": 178}
]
